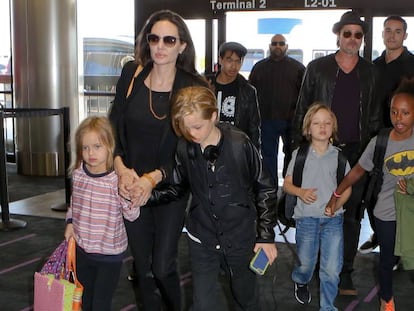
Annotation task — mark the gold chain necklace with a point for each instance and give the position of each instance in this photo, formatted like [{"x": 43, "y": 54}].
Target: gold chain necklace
[{"x": 150, "y": 101}]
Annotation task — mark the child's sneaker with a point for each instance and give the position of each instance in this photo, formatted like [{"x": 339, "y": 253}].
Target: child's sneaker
[
  {"x": 369, "y": 245},
  {"x": 302, "y": 294},
  {"x": 387, "y": 306},
  {"x": 346, "y": 286}
]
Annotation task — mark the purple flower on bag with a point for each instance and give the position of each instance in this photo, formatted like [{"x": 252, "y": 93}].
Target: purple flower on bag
[{"x": 56, "y": 263}]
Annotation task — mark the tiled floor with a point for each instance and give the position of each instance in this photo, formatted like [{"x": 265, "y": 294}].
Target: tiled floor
[
  {"x": 365, "y": 266},
  {"x": 276, "y": 285}
]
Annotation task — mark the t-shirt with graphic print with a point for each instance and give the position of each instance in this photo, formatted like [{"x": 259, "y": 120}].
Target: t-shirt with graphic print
[
  {"x": 226, "y": 101},
  {"x": 398, "y": 163}
]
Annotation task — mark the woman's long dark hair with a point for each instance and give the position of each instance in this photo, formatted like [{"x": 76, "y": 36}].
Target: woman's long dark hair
[{"x": 186, "y": 60}]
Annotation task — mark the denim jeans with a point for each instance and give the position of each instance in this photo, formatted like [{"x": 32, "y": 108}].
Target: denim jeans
[
  {"x": 323, "y": 236},
  {"x": 206, "y": 265},
  {"x": 272, "y": 130}
]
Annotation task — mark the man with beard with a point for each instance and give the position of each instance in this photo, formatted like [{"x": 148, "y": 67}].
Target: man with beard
[
  {"x": 345, "y": 82},
  {"x": 277, "y": 79}
]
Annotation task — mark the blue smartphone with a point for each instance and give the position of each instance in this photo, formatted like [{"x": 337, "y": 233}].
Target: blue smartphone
[{"x": 259, "y": 262}]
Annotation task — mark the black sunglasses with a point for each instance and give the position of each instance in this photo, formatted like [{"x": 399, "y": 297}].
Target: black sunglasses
[
  {"x": 348, "y": 34},
  {"x": 280, "y": 43},
  {"x": 169, "y": 41}
]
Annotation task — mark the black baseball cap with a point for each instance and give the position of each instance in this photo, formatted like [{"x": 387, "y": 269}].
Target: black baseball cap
[{"x": 236, "y": 47}]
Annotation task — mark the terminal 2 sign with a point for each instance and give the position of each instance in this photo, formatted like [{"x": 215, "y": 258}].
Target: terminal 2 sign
[
  {"x": 212, "y": 8},
  {"x": 249, "y": 5},
  {"x": 240, "y": 5}
]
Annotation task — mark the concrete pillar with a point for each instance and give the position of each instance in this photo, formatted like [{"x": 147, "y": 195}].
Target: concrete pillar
[{"x": 44, "y": 47}]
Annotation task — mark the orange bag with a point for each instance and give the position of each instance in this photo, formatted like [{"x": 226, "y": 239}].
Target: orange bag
[{"x": 71, "y": 267}]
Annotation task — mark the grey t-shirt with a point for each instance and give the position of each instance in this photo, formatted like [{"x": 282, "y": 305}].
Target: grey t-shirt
[
  {"x": 319, "y": 172},
  {"x": 397, "y": 165}
]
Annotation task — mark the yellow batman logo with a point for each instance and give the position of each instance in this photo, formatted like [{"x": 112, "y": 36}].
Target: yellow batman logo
[{"x": 401, "y": 163}]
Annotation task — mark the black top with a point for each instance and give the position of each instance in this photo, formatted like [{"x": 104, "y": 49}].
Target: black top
[
  {"x": 145, "y": 131},
  {"x": 346, "y": 106},
  {"x": 390, "y": 75},
  {"x": 143, "y": 142},
  {"x": 227, "y": 101},
  {"x": 246, "y": 110},
  {"x": 278, "y": 83}
]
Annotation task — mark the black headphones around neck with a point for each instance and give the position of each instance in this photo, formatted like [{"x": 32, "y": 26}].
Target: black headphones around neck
[{"x": 211, "y": 153}]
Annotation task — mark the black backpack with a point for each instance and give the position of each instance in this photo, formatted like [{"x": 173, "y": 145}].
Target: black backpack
[
  {"x": 375, "y": 177},
  {"x": 287, "y": 202}
]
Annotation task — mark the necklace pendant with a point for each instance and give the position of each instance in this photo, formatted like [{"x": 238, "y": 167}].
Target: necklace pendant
[{"x": 150, "y": 101}]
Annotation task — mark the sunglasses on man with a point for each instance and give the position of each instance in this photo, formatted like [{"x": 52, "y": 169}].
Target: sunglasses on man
[
  {"x": 348, "y": 34},
  {"x": 279, "y": 43}
]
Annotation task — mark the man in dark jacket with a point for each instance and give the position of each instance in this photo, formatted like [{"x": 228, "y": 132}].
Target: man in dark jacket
[
  {"x": 395, "y": 63},
  {"x": 236, "y": 98},
  {"x": 277, "y": 79},
  {"x": 346, "y": 82}
]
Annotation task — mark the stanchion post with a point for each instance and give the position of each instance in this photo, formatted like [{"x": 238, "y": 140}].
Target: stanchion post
[
  {"x": 66, "y": 156},
  {"x": 66, "y": 150},
  {"x": 6, "y": 223}
]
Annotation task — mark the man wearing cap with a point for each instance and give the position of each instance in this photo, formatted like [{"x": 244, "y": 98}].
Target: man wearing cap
[
  {"x": 277, "y": 79},
  {"x": 236, "y": 98},
  {"x": 346, "y": 82}
]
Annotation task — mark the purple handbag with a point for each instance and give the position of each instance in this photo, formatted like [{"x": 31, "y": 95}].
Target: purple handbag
[{"x": 56, "y": 263}]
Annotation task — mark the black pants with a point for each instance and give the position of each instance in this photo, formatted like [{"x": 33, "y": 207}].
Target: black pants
[
  {"x": 353, "y": 211},
  {"x": 386, "y": 231},
  {"x": 206, "y": 265},
  {"x": 99, "y": 279},
  {"x": 153, "y": 240}
]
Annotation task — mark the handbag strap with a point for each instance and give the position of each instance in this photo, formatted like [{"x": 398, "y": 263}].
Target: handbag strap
[
  {"x": 131, "y": 84},
  {"x": 71, "y": 267}
]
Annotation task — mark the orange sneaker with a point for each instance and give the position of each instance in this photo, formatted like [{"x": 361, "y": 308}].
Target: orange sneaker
[{"x": 387, "y": 306}]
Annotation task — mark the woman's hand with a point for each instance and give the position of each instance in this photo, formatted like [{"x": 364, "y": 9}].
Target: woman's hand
[{"x": 140, "y": 191}]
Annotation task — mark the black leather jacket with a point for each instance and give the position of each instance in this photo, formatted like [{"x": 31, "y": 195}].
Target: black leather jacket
[
  {"x": 236, "y": 206},
  {"x": 247, "y": 116},
  {"x": 319, "y": 85}
]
